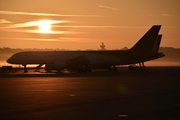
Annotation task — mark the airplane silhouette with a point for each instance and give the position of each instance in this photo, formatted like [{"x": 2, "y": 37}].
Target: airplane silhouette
[{"x": 145, "y": 49}]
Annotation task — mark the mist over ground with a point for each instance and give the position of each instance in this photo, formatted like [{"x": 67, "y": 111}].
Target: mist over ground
[{"x": 172, "y": 56}]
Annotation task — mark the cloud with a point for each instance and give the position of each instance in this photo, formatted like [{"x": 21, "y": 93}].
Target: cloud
[
  {"x": 46, "y": 14},
  {"x": 52, "y": 32},
  {"x": 34, "y": 23},
  {"x": 37, "y": 31},
  {"x": 18, "y": 27},
  {"x": 32, "y": 39},
  {"x": 86, "y": 26},
  {"x": 176, "y": 27},
  {"x": 2, "y": 21},
  {"x": 165, "y": 15},
  {"x": 73, "y": 39},
  {"x": 63, "y": 39},
  {"x": 107, "y": 7}
]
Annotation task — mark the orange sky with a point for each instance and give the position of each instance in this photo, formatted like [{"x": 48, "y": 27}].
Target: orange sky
[{"x": 85, "y": 24}]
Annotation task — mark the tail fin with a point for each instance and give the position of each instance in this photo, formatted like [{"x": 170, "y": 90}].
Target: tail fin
[
  {"x": 147, "y": 42},
  {"x": 157, "y": 43}
]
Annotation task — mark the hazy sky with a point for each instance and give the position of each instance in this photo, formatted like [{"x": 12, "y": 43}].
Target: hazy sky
[{"x": 85, "y": 24}]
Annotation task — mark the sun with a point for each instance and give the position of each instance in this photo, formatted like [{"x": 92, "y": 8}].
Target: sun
[{"x": 44, "y": 26}]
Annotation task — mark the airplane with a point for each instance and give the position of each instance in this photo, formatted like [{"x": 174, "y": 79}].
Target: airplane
[{"x": 145, "y": 49}]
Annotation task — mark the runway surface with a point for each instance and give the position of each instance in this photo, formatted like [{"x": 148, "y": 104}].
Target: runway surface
[{"x": 91, "y": 96}]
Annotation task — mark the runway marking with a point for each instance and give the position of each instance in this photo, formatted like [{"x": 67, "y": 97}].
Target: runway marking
[
  {"x": 43, "y": 90},
  {"x": 50, "y": 90},
  {"x": 123, "y": 116},
  {"x": 71, "y": 95}
]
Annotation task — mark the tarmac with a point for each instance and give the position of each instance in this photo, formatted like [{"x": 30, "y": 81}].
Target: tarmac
[{"x": 153, "y": 94}]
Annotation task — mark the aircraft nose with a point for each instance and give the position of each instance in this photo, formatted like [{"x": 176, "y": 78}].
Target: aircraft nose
[{"x": 8, "y": 60}]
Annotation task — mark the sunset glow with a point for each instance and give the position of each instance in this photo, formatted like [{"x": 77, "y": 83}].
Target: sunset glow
[
  {"x": 115, "y": 23},
  {"x": 44, "y": 26}
]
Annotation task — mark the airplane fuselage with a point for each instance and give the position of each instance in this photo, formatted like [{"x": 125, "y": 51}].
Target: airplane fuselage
[{"x": 116, "y": 57}]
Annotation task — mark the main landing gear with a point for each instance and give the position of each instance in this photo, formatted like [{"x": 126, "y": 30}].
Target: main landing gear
[
  {"x": 25, "y": 69},
  {"x": 141, "y": 67},
  {"x": 38, "y": 67}
]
